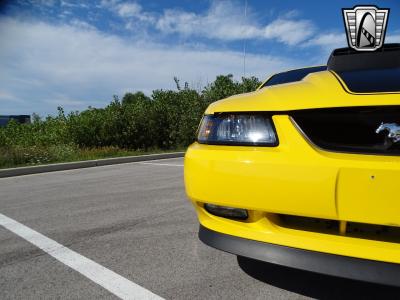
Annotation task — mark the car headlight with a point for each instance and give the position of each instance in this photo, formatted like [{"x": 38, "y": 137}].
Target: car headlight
[{"x": 254, "y": 129}]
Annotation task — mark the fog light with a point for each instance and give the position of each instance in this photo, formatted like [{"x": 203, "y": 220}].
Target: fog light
[{"x": 226, "y": 212}]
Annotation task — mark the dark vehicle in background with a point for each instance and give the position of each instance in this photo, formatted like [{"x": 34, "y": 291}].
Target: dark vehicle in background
[{"x": 22, "y": 119}]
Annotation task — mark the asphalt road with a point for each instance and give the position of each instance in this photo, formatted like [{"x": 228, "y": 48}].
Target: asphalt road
[{"x": 134, "y": 220}]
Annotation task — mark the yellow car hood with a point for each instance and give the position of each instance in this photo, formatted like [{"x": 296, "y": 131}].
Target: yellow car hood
[{"x": 317, "y": 90}]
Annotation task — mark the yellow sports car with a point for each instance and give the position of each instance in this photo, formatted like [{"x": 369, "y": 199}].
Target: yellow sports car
[{"x": 305, "y": 171}]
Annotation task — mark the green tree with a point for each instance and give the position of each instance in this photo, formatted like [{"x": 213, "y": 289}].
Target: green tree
[{"x": 130, "y": 98}]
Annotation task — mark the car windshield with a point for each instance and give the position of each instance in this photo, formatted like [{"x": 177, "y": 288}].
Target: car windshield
[
  {"x": 372, "y": 81},
  {"x": 292, "y": 76}
]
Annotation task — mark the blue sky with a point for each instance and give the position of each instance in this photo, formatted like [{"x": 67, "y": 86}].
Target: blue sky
[{"x": 77, "y": 54}]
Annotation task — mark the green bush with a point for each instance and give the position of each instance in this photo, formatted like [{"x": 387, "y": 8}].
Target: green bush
[{"x": 166, "y": 120}]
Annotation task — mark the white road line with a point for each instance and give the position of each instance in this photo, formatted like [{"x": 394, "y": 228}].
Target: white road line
[
  {"x": 157, "y": 164},
  {"x": 111, "y": 281}
]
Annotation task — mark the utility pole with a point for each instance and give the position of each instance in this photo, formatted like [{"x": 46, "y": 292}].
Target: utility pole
[{"x": 244, "y": 41}]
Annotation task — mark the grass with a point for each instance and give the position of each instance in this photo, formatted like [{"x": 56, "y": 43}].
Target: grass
[{"x": 32, "y": 156}]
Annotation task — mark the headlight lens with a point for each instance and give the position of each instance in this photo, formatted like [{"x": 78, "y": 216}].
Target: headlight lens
[{"x": 237, "y": 129}]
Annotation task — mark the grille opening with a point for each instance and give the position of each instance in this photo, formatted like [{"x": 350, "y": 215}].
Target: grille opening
[
  {"x": 357, "y": 230},
  {"x": 309, "y": 224},
  {"x": 350, "y": 129},
  {"x": 374, "y": 232}
]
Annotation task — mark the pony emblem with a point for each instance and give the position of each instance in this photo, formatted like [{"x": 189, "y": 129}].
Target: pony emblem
[{"x": 393, "y": 131}]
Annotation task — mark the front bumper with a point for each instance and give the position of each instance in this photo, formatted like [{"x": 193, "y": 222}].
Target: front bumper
[
  {"x": 329, "y": 264},
  {"x": 297, "y": 179}
]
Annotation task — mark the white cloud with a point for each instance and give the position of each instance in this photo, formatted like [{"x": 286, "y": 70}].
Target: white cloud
[
  {"x": 291, "y": 32},
  {"x": 108, "y": 3},
  {"x": 7, "y": 96},
  {"x": 393, "y": 38},
  {"x": 43, "y": 2},
  {"x": 65, "y": 3},
  {"x": 82, "y": 24},
  {"x": 47, "y": 65},
  {"x": 328, "y": 41},
  {"x": 128, "y": 9},
  {"x": 226, "y": 21}
]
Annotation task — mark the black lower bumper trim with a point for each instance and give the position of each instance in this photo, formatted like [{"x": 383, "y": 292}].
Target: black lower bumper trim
[{"x": 318, "y": 262}]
